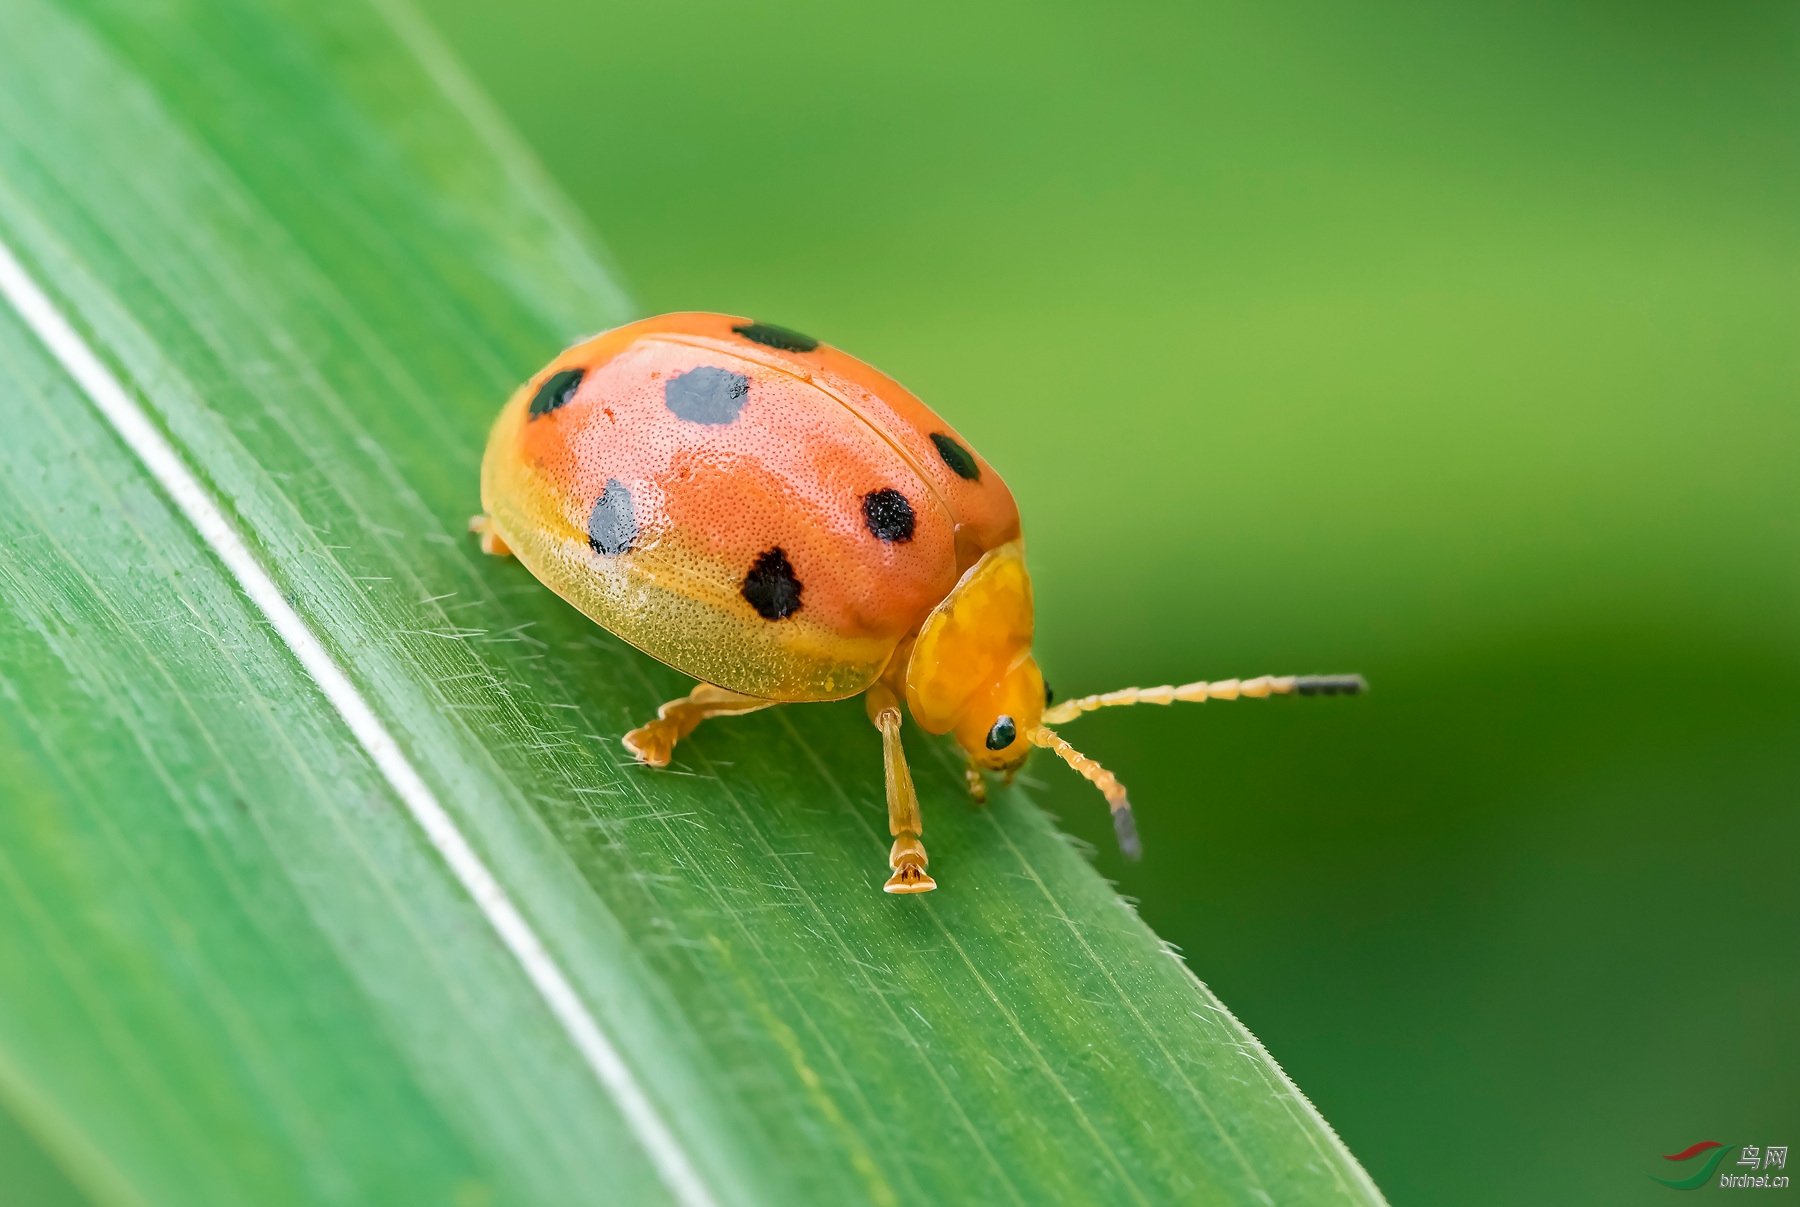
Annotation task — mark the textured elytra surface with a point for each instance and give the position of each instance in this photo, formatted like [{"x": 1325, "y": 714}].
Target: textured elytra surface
[
  {"x": 236, "y": 973},
  {"x": 755, "y": 476}
]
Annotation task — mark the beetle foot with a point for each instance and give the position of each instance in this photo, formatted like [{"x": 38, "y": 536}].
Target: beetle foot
[
  {"x": 977, "y": 785},
  {"x": 908, "y": 861},
  {"x": 653, "y": 743}
]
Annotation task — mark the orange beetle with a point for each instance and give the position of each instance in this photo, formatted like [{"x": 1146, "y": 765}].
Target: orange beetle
[{"x": 786, "y": 524}]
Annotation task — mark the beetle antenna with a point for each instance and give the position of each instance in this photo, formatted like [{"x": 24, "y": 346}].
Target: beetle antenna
[
  {"x": 1124, "y": 824},
  {"x": 1224, "y": 689}
]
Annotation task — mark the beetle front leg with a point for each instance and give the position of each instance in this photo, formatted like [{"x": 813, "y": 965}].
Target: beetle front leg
[
  {"x": 976, "y": 782},
  {"x": 907, "y": 856}
]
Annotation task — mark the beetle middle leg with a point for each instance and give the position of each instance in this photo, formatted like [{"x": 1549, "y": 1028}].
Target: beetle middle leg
[
  {"x": 654, "y": 743},
  {"x": 907, "y": 856}
]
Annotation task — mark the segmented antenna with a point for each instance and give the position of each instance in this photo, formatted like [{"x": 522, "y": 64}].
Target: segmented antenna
[
  {"x": 1224, "y": 689},
  {"x": 1124, "y": 824}
]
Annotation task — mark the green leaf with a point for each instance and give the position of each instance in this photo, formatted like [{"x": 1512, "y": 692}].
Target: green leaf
[{"x": 235, "y": 967}]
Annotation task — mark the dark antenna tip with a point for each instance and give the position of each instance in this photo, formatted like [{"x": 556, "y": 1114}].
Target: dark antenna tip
[
  {"x": 1125, "y": 826},
  {"x": 1330, "y": 685}
]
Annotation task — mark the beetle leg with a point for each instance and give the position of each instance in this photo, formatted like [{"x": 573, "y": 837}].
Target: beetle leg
[
  {"x": 907, "y": 857},
  {"x": 977, "y": 784},
  {"x": 654, "y": 743},
  {"x": 490, "y": 540}
]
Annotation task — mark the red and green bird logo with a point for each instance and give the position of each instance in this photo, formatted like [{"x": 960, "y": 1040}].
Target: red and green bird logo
[{"x": 1699, "y": 1177}]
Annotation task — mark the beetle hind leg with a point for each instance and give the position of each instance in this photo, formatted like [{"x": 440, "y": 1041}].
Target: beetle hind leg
[
  {"x": 654, "y": 743},
  {"x": 907, "y": 856},
  {"x": 490, "y": 540}
]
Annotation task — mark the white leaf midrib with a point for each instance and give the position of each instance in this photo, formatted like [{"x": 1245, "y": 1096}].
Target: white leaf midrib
[{"x": 162, "y": 462}]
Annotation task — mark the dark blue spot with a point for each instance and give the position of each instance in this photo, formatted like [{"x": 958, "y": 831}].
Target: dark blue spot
[
  {"x": 888, "y": 514},
  {"x": 612, "y": 528},
  {"x": 771, "y": 586},
  {"x": 707, "y": 394},
  {"x": 771, "y": 336},
  {"x": 557, "y": 390},
  {"x": 960, "y": 460}
]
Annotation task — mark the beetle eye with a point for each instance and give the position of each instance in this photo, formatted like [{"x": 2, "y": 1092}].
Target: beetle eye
[{"x": 1002, "y": 734}]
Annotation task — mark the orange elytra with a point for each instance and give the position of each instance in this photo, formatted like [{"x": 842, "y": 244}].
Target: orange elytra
[{"x": 787, "y": 525}]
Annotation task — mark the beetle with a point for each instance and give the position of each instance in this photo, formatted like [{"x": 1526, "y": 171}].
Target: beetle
[{"x": 786, "y": 524}]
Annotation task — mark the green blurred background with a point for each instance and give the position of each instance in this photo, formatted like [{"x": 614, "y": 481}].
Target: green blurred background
[{"x": 1455, "y": 345}]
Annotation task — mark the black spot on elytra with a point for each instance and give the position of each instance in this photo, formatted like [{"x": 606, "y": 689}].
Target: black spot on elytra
[
  {"x": 888, "y": 514},
  {"x": 707, "y": 394},
  {"x": 1002, "y": 734},
  {"x": 960, "y": 460},
  {"x": 771, "y": 336},
  {"x": 612, "y": 528},
  {"x": 771, "y": 586},
  {"x": 556, "y": 391}
]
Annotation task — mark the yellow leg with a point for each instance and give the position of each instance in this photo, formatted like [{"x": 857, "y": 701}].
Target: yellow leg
[
  {"x": 1224, "y": 689},
  {"x": 490, "y": 540},
  {"x": 977, "y": 783},
  {"x": 655, "y": 743},
  {"x": 907, "y": 857}
]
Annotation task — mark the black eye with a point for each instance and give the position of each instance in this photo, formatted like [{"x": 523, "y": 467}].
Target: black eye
[
  {"x": 1049, "y": 696},
  {"x": 1002, "y": 734}
]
